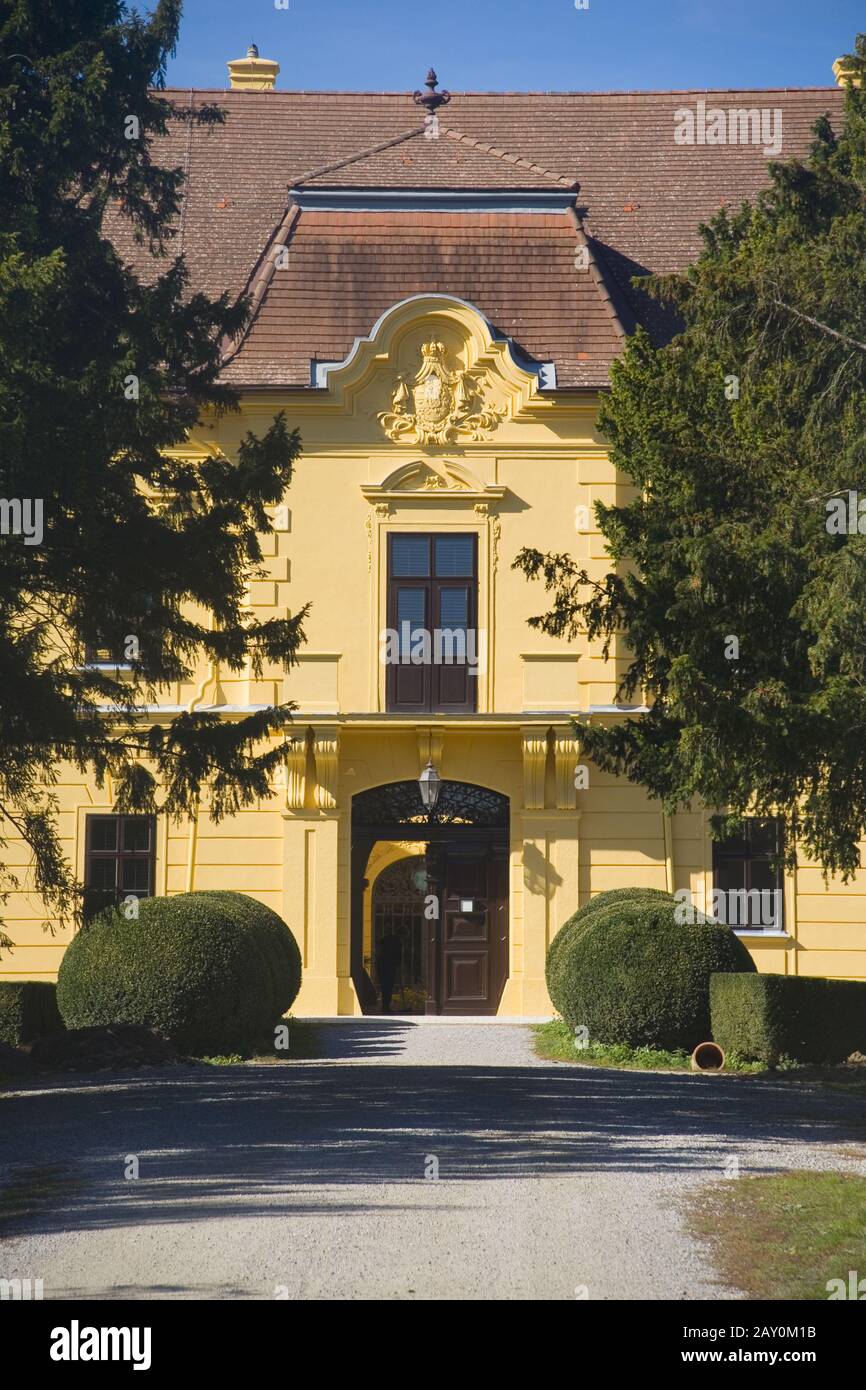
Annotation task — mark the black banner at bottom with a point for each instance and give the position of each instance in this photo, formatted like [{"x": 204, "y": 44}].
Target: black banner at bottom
[{"x": 142, "y": 1338}]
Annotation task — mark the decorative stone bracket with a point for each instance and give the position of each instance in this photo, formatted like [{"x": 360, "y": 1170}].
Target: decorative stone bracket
[
  {"x": 534, "y": 767},
  {"x": 296, "y": 773},
  {"x": 535, "y": 750},
  {"x": 566, "y": 752},
  {"x": 326, "y": 749},
  {"x": 325, "y": 746}
]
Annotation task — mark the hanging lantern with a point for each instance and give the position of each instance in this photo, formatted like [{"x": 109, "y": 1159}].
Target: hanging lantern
[{"x": 429, "y": 785}]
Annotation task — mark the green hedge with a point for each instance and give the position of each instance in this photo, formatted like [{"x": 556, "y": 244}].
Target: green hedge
[
  {"x": 635, "y": 975},
  {"x": 764, "y": 1018},
  {"x": 585, "y": 914},
  {"x": 279, "y": 945},
  {"x": 213, "y": 972},
  {"x": 28, "y": 1011}
]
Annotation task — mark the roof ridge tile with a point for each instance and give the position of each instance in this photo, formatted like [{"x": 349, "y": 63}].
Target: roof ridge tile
[
  {"x": 454, "y": 134},
  {"x": 357, "y": 157}
]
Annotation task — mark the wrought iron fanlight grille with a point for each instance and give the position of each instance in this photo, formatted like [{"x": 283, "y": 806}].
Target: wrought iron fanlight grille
[
  {"x": 460, "y": 803},
  {"x": 403, "y": 881}
]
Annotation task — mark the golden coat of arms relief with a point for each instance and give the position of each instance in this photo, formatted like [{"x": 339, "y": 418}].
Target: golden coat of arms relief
[{"x": 439, "y": 406}]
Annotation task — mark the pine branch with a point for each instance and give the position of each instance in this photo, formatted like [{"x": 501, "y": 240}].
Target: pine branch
[{"x": 816, "y": 323}]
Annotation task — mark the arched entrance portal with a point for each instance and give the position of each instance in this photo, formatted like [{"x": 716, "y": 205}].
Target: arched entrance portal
[{"x": 462, "y": 867}]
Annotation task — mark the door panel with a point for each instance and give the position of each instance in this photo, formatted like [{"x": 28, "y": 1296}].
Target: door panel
[
  {"x": 473, "y": 935},
  {"x": 466, "y": 982}
]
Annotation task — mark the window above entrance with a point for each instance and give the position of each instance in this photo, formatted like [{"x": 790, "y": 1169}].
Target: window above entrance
[{"x": 432, "y": 649}]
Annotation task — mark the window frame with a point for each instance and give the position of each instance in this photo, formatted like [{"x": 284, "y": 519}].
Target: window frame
[
  {"x": 118, "y": 856},
  {"x": 747, "y": 859},
  {"x": 432, "y": 585},
  {"x": 93, "y": 660},
  {"x": 104, "y": 656}
]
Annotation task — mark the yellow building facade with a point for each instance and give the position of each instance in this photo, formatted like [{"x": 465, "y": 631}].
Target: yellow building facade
[{"x": 434, "y": 448}]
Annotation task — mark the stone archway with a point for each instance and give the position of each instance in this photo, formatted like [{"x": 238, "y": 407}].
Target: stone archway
[{"x": 466, "y": 904}]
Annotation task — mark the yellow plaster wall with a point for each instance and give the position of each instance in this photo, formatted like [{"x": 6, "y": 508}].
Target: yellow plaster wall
[{"x": 531, "y": 479}]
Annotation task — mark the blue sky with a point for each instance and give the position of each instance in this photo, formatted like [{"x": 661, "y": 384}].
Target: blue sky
[{"x": 527, "y": 45}]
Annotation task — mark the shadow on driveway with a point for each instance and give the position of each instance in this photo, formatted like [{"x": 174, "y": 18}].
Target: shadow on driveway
[
  {"x": 362, "y": 1038},
  {"x": 241, "y": 1141}
]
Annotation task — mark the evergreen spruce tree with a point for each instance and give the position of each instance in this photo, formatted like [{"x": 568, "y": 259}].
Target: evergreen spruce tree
[
  {"x": 738, "y": 584},
  {"x": 101, "y": 371}
]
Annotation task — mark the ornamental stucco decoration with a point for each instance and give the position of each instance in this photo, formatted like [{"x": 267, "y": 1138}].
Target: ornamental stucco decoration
[{"x": 439, "y": 406}]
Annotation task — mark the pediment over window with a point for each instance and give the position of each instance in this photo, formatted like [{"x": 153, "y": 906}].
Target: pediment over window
[{"x": 424, "y": 478}]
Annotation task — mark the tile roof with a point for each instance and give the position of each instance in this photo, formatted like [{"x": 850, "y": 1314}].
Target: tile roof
[
  {"x": 450, "y": 160},
  {"x": 642, "y": 198},
  {"x": 345, "y": 269}
]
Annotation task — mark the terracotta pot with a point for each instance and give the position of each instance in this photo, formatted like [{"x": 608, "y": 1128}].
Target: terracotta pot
[{"x": 708, "y": 1056}]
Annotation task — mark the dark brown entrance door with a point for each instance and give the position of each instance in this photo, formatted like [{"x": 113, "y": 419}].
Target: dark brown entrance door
[
  {"x": 473, "y": 926},
  {"x": 465, "y": 845}
]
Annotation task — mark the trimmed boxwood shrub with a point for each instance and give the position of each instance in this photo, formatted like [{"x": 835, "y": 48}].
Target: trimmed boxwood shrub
[
  {"x": 28, "y": 1010},
  {"x": 210, "y": 971},
  {"x": 637, "y": 976},
  {"x": 280, "y": 946},
  {"x": 764, "y": 1018},
  {"x": 585, "y": 914}
]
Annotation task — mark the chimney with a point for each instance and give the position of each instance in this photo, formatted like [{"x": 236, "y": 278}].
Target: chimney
[
  {"x": 843, "y": 69},
  {"x": 253, "y": 74}
]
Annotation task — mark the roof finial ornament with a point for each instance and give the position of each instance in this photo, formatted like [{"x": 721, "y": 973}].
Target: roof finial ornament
[
  {"x": 252, "y": 51},
  {"x": 431, "y": 99}
]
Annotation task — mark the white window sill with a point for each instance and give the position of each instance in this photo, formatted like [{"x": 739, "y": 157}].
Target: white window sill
[{"x": 760, "y": 933}]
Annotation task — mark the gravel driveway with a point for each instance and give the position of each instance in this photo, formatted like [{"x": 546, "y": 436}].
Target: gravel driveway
[{"x": 318, "y": 1179}]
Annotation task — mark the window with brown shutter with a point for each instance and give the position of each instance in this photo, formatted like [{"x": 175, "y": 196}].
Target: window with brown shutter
[
  {"x": 748, "y": 876},
  {"x": 120, "y": 859},
  {"x": 432, "y": 616}
]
